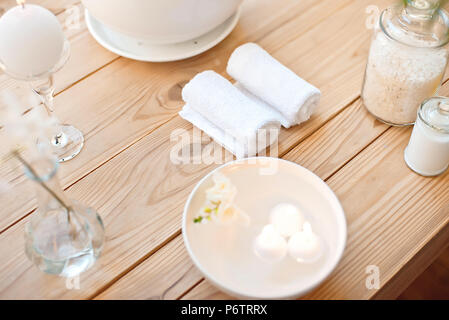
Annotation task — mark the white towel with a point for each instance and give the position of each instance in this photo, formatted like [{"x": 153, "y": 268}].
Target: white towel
[
  {"x": 231, "y": 118},
  {"x": 269, "y": 80},
  {"x": 263, "y": 105}
]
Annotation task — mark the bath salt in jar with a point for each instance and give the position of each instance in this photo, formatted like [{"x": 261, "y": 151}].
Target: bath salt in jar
[
  {"x": 428, "y": 150},
  {"x": 407, "y": 60}
]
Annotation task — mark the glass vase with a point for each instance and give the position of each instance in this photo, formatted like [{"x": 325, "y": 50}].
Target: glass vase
[{"x": 63, "y": 237}]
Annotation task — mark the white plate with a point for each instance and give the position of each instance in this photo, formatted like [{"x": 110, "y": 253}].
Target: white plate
[
  {"x": 224, "y": 254},
  {"x": 139, "y": 50}
]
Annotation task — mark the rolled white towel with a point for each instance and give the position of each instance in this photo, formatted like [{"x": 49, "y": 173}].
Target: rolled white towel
[
  {"x": 263, "y": 105},
  {"x": 232, "y": 119},
  {"x": 271, "y": 81}
]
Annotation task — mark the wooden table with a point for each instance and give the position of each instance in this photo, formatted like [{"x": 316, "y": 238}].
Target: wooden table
[{"x": 397, "y": 220}]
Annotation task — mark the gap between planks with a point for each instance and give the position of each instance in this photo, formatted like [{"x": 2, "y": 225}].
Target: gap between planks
[{"x": 135, "y": 264}]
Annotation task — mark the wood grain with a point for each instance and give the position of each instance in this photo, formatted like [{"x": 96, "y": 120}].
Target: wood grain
[
  {"x": 205, "y": 290},
  {"x": 415, "y": 269},
  {"x": 165, "y": 275}
]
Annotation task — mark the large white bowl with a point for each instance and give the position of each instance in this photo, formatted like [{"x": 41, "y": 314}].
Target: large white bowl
[
  {"x": 162, "y": 21},
  {"x": 224, "y": 254}
]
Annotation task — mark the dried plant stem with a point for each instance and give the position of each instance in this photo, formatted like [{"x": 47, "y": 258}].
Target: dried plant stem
[{"x": 49, "y": 190}]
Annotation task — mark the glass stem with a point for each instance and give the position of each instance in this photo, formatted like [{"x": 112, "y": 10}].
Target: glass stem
[
  {"x": 52, "y": 192},
  {"x": 46, "y": 91}
]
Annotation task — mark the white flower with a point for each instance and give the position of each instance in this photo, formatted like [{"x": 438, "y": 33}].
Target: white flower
[
  {"x": 219, "y": 205},
  {"x": 222, "y": 192},
  {"x": 4, "y": 187},
  {"x": 23, "y": 130}
]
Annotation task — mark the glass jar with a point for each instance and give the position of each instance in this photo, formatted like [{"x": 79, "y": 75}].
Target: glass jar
[
  {"x": 428, "y": 150},
  {"x": 62, "y": 237},
  {"x": 407, "y": 60}
]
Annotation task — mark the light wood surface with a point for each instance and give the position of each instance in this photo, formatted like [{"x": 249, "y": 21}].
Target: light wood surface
[{"x": 127, "y": 110}]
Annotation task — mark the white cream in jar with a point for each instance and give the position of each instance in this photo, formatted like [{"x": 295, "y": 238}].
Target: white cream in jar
[{"x": 428, "y": 150}]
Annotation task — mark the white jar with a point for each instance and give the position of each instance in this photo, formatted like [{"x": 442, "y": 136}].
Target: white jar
[{"x": 428, "y": 150}]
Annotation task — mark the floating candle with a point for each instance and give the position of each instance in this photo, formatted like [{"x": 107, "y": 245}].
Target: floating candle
[
  {"x": 31, "y": 41},
  {"x": 270, "y": 246},
  {"x": 286, "y": 219},
  {"x": 305, "y": 246}
]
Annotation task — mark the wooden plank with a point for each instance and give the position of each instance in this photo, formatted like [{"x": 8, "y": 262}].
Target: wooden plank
[
  {"x": 205, "y": 290},
  {"x": 98, "y": 107},
  {"x": 170, "y": 274},
  {"x": 332, "y": 146},
  {"x": 399, "y": 214},
  {"x": 416, "y": 266},
  {"x": 348, "y": 133},
  {"x": 432, "y": 285}
]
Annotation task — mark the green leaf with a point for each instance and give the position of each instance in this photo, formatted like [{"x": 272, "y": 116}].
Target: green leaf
[{"x": 198, "y": 219}]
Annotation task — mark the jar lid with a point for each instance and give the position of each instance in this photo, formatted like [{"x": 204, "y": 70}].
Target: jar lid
[
  {"x": 417, "y": 23},
  {"x": 435, "y": 113}
]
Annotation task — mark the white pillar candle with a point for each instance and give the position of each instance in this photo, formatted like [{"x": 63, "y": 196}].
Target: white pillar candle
[
  {"x": 270, "y": 246},
  {"x": 286, "y": 219},
  {"x": 428, "y": 150},
  {"x": 31, "y": 41},
  {"x": 305, "y": 246}
]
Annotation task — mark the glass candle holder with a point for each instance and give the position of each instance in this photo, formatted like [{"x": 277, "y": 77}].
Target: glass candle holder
[
  {"x": 428, "y": 150},
  {"x": 67, "y": 141}
]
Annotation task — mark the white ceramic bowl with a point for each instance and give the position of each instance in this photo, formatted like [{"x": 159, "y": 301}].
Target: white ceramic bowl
[
  {"x": 162, "y": 21},
  {"x": 224, "y": 254}
]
